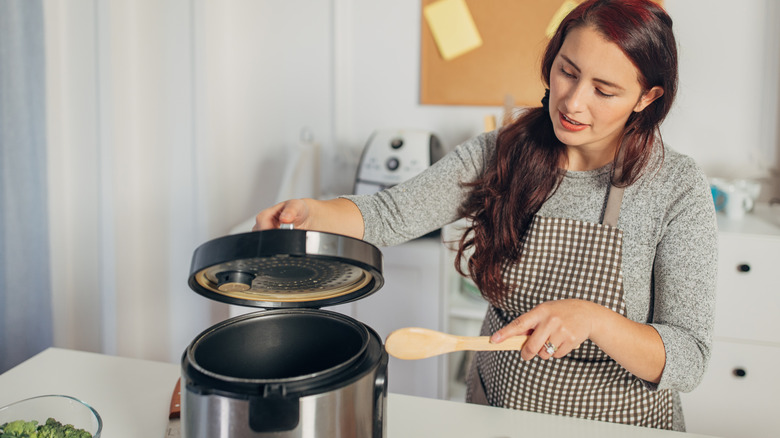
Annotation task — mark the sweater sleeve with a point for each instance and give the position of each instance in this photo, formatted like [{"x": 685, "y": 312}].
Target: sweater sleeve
[
  {"x": 684, "y": 277},
  {"x": 426, "y": 202}
]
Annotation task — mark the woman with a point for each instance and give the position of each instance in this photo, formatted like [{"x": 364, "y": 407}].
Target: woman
[{"x": 586, "y": 232}]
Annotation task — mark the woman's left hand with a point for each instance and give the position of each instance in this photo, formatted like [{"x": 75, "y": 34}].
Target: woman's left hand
[{"x": 564, "y": 324}]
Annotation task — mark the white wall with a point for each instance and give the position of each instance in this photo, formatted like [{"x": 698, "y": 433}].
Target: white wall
[
  {"x": 264, "y": 74},
  {"x": 380, "y": 43},
  {"x": 726, "y": 115}
]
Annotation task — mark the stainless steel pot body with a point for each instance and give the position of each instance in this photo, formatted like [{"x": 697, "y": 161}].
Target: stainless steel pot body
[
  {"x": 350, "y": 411},
  {"x": 285, "y": 373}
]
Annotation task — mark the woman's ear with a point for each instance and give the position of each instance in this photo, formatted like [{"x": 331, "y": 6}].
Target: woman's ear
[{"x": 648, "y": 97}]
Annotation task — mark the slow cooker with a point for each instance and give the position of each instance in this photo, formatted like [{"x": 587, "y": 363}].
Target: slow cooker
[{"x": 292, "y": 370}]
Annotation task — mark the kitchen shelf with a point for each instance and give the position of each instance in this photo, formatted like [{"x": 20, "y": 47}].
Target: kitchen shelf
[
  {"x": 463, "y": 306},
  {"x": 462, "y": 311}
]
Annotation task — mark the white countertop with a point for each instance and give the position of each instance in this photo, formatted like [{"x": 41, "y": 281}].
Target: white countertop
[
  {"x": 763, "y": 220},
  {"x": 133, "y": 396}
]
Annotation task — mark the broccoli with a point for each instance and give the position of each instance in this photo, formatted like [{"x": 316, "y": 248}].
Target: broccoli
[
  {"x": 19, "y": 428},
  {"x": 51, "y": 429},
  {"x": 55, "y": 429}
]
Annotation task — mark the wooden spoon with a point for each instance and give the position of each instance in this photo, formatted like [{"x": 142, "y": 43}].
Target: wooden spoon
[{"x": 418, "y": 343}]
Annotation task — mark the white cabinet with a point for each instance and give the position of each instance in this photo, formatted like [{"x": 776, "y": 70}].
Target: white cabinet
[
  {"x": 748, "y": 294},
  {"x": 739, "y": 396}
]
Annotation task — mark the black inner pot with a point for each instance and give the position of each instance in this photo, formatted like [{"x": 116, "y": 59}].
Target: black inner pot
[{"x": 282, "y": 345}]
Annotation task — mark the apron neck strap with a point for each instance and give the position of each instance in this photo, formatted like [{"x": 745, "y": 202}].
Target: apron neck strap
[
  {"x": 615, "y": 194},
  {"x": 612, "y": 210}
]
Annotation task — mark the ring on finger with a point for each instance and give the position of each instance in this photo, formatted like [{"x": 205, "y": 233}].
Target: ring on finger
[{"x": 550, "y": 348}]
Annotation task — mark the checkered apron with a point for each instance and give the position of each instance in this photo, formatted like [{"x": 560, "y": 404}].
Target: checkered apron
[{"x": 562, "y": 259}]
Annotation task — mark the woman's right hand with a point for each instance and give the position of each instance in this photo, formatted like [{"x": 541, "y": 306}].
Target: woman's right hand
[
  {"x": 293, "y": 211},
  {"x": 339, "y": 216}
]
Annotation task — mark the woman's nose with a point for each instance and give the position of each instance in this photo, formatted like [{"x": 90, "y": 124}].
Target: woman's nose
[{"x": 575, "y": 99}]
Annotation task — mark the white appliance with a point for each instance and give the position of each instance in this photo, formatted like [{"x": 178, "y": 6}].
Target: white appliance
[{"x": 393, "y": 156}]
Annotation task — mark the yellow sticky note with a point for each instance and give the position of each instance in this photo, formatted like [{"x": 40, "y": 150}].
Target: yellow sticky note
[
  {"x": 452, "y": 27},
  {"x": 559, "y": 15}
]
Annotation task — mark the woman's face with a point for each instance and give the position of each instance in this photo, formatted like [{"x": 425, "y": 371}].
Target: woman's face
[{"x": 594, "y": 88}]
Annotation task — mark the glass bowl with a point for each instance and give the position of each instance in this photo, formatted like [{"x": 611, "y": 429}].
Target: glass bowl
[{"x": 63, "y": 408}]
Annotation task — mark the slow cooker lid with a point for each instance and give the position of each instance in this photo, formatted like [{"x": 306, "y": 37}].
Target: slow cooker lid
[{"x": 286, "y": 268}]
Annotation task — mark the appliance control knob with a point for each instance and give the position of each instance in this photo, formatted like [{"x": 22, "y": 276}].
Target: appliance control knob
[
  {"x": 396, "y": 143},
  {"x": 392, "y": 164}
]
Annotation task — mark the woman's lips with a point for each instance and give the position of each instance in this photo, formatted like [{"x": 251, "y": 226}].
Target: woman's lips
[{"x": 569, "y": 124}]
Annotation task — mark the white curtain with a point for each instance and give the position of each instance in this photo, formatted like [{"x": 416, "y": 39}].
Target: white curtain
[
  {"x": 168, "y": 124},
  {"x": 25, "y": 305},
  {"x": 126, "y": 176}
]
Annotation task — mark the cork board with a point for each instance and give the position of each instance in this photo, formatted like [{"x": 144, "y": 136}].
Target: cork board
[{"x": 507, "y": 63}]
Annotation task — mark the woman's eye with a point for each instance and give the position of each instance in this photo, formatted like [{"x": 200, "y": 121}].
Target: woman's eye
[
  {"x": 603, "y": 94},
  {"x": 567, "y": 74}
]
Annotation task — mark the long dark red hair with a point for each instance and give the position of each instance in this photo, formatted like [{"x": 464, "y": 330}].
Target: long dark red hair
[{"x": 524, "y": 171}]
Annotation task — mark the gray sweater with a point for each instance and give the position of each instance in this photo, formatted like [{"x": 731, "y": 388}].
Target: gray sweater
[{"x": 669, "y": 241}]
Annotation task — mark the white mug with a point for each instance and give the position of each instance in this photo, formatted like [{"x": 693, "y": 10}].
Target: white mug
[
  {"x": 738, "y": 201},
  {"x": 750, "y": 187}
]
